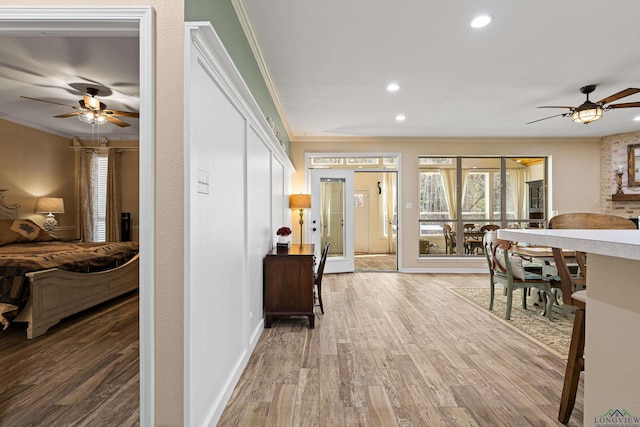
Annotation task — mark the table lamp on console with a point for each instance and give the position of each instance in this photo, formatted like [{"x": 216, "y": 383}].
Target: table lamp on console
[{"x": 300, "y": 202}]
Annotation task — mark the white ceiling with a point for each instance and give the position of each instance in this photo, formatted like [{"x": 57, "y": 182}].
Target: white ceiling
[
  {"x": 51, "y": 68},
  {"x": 331, "y": 60}
]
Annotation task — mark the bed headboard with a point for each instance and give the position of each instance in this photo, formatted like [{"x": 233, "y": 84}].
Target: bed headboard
[{"x": 7, "y": 210}]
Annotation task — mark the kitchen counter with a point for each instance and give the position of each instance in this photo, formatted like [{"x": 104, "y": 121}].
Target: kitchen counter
[{"x": 612, "y": 334}]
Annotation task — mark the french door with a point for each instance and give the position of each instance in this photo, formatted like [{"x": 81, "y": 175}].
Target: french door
[{"x": 332, "y": 198}]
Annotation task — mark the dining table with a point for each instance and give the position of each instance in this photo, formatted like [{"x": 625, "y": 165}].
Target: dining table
[{"x": 612, "y": 337}]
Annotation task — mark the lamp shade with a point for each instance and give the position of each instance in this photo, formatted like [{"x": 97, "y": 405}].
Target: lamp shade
[
  {"x": 300, "y": 201},
  {"x": 50, "y": 205},
  {"x": 587, "y": 113}
]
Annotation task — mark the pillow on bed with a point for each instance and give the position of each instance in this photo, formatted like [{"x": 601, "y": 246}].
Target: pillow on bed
[{"x": 21, "y": 231}]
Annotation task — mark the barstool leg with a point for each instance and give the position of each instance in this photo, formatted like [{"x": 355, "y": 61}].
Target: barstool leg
[{"x": 575, "y": 364}]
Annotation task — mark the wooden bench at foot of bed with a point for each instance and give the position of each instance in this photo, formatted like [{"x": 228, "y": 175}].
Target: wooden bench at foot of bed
[{"x": 56, "y": 294}]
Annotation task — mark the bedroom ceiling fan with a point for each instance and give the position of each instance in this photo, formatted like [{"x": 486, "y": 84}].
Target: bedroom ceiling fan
[
  {"x": 93, "y": 111},
  {"x": 591, "y": 111}
]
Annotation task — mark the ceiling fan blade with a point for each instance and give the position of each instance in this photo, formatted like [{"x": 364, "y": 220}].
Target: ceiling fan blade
[
  {"x": 50, "y": 102},
  {"x": 550, "y": 117},
  {"x": 91, "y": 102},
  {"x": 616, "y": 96},
  {"x": 62, "y": 116},
  {"x": 116, "y": 122},
  {"x": 130, "y": 114},
  {"x": 556, "y": 106},
  {"x": 624, "y": 105}
]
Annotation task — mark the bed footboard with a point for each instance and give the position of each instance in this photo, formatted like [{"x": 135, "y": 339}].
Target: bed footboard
[{"x": 56, "y": 294}]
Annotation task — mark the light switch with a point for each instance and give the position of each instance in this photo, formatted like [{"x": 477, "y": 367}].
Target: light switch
[{"x": 408, "y": 205}]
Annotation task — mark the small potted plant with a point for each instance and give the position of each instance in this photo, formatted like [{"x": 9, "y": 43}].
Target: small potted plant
[{"x": 284, "y": 234}]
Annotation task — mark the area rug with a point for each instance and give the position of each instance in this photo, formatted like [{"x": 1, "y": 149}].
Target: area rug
[{"x": 554, "y": 336}]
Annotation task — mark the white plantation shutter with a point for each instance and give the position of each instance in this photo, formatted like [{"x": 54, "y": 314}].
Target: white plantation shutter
[{"x": 102, "y": 198}]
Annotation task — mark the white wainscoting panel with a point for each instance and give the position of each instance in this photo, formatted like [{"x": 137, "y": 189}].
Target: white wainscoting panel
[{"x": 229, "y": 183}]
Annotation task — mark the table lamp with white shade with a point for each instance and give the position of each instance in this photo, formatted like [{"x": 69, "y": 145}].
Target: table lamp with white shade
[{"x": 50, "y": 206}]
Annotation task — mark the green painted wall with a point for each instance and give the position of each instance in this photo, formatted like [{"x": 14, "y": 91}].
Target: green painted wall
[{"x": 224, "y": 20}]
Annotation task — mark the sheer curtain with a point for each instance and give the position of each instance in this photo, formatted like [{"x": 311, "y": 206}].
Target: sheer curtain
[
  {"x": 449, "y": 182},
  {"x": 390, "y": 194},
  {"x": 517, "y": 178},
  {"x": 113, "y": 196},
  {"x": 87, "y": 189}
]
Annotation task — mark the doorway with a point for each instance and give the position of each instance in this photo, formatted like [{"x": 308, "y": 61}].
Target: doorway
[
  {"x": 375, "y": 220},
  {"x": 369, "y": 238},
  {"x": 110, "y": 22}
]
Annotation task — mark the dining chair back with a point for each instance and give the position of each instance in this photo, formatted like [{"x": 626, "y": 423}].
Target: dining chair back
[
  {"x": 449, "y": 239},
  {"x": 507, "y": 268},
  {"x": 574, "y": 293},
  {"x": 317, "y": 278}
]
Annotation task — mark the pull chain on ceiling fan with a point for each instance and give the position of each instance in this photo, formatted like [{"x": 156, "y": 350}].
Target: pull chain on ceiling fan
[{"x": 590, "y": 111}]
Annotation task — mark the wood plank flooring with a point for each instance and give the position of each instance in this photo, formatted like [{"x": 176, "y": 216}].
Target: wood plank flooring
[
  {"x": 83, "y": 372},
  {"x": 398, "y": 350},
  {"x": 391, "y": 350},
  {"x": 375, "y": 262}
]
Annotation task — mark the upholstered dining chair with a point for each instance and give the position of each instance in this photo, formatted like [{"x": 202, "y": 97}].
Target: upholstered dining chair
[
  {"x": 507, "y": 269},
  {"x": 317, "y": 277},
  {"x": 574, "y": 293}
]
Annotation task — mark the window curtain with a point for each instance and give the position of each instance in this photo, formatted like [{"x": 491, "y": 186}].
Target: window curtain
[
  {"x": 113, "y": 196},
  {"x": 449, "y": 182},
  {"x": 390, "y": 192},
  {"x": 87, "y": 189},
  {"x": 517, "y": 178}
]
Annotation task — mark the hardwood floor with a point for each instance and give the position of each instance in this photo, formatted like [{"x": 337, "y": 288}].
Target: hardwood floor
[
  {"x": 376, "y": 262},
  {"x": 83, "y": 372},
  {"x": 391, "y": 350},
  {"x": 398, "y": 350}
]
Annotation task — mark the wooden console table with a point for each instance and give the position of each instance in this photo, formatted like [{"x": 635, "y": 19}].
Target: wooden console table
[{"x": 288, "y": 283}]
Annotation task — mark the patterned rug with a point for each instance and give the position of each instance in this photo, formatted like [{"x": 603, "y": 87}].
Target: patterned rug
[{"x": 555, "y": 335}]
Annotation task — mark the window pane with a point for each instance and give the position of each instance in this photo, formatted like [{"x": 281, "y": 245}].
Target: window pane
[
  {"x": 433, "y": 202},
  {"x": 474, "y": 202}
]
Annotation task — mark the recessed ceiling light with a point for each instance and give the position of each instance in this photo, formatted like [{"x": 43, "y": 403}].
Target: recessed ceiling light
[
  {"x": 393, "y": 87},
  {"x": 481, "y": 21},
  {"x": 401, "y": 117},
  {"x": 637, "y": 118}
]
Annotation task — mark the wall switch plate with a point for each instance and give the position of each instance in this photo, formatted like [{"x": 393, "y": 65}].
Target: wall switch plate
[{"x": 408, "y": 205}]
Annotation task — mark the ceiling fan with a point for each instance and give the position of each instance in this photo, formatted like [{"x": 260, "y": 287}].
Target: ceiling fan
[
  {"x": 591, "y": 111},
  {"x": 93, "y": 111}
]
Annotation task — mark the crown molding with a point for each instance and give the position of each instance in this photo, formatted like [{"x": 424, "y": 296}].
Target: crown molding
[
  {"x": 252, "y": 39},
  {"x": 432, "y": 139}
]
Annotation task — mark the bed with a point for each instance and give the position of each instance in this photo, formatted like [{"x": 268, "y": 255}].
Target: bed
[{"x": 43, "y": 280}]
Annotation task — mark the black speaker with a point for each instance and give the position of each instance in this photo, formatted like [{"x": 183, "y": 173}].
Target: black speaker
[{"x": 125, "y": 227}]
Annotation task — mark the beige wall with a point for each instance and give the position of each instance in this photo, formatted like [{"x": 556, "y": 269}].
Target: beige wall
[
  {"x": 36, "y": 164},
  {"x": 574, "y": 170},
  {"x": 169, "y": 199}
]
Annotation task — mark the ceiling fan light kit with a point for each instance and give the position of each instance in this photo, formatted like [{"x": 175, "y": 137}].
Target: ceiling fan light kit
[
  {"x": 92, "y": 117},
  {"x": 587, "y": 113}
]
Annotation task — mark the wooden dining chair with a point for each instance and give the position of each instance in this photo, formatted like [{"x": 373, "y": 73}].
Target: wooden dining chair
[
  {"x": 317, "y": 277},
  {"x": 449, "y": 239},
  {"x": 574, "y": 293},
  {"x": 476, "y": 244},
  {"x": 508, "y": 269}
]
